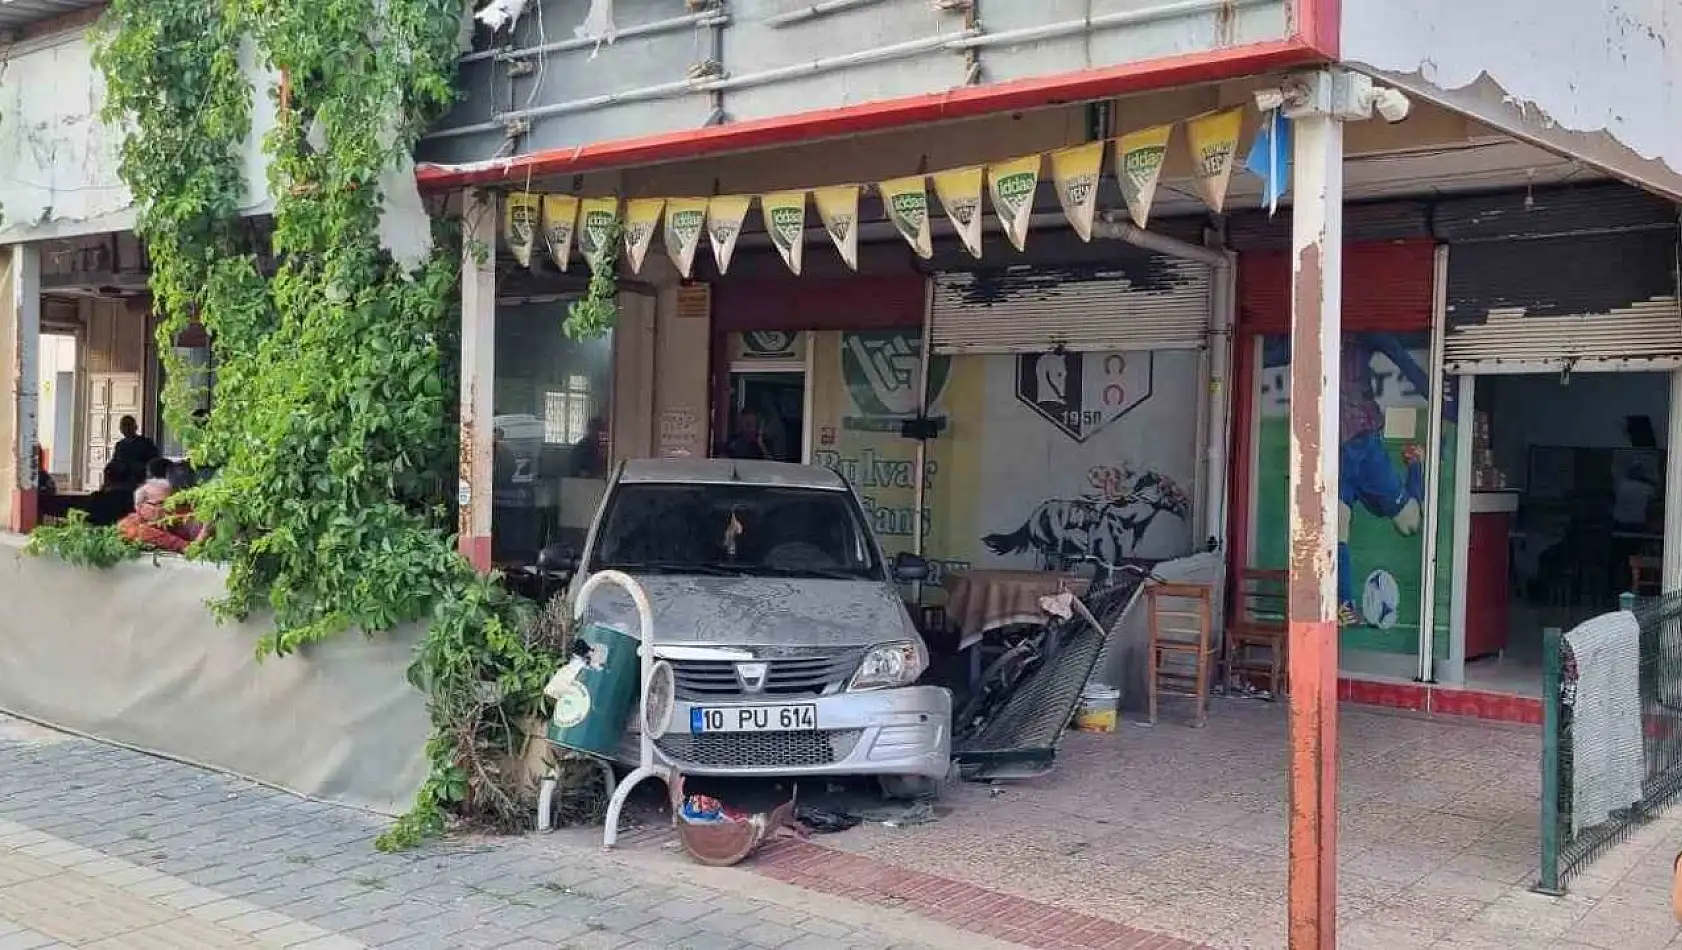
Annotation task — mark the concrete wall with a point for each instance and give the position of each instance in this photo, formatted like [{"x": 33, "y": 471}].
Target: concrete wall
[
  {"x": 58, "y": 161},
  {"x": 762, "y": 59},
  {"x": 1598, "y": 78},
  {"x": 132, "y": 654}
]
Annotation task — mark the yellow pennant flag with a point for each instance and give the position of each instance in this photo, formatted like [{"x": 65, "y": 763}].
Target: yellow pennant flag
[
  {"x": 1075, "y": 173},
  {"x": 560, "y": 216},
  {"x": 1138, "y": 158},
  {"x": 838, "y": 208},
  {"x": 1013, "y": 184},
  {"x": 785, "y": 221},
  {"x": 686, "y": 218},
  {"x": 596, "y": 218},
  {"x": 907, "y": 204},
  {"x": 959, "y": 191},
  {"x": 642, "y": 217},
  {"x": 1214, "y": 146},
  {"x": 519, "y": 225},
  {"x": 724, "y": 226}
]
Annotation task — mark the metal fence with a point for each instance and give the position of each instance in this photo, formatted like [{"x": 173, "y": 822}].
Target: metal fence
[{"x": 1567, "y": 845}]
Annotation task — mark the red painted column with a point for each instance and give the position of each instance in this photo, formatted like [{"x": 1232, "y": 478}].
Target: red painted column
[
  {"x": 478, "y": 374},
  {"x": 1316, "y": 304}
]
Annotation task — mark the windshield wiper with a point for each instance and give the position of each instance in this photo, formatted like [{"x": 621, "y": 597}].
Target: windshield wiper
[
  {"x": 675, "y": 567},
  {"x": 818, "y": 573}
]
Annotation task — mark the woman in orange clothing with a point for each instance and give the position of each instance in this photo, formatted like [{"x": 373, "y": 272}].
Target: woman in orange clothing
[{"x": 150, "y": 525}]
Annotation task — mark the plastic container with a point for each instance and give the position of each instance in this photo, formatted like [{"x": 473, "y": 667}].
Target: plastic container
[
  {"x": 1097, "y": 709},
  {"x": 591, "y": 715}
]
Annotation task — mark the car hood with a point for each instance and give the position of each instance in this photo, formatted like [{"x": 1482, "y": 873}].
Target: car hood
[{"x": 759, "y": 612}]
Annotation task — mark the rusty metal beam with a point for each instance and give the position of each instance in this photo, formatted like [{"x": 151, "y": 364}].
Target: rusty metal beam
[
  {"x": 1316, "y": 304},
  {"x": 478, "y": 374}
]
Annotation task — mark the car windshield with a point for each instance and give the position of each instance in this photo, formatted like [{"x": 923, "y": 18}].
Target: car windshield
[{"x": 734, "y": 530}]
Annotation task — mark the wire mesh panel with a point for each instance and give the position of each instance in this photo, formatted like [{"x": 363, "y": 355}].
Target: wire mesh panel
[{"x": 1590, "y": 735}]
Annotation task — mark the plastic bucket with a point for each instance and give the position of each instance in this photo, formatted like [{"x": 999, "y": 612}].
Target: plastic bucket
[{"x": 1097, "y": 709}]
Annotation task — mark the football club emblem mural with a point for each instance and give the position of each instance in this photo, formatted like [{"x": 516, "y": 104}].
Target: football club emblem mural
[{"x": 1082, "y": 393}]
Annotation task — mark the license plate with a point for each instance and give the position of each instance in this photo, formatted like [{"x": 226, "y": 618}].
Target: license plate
[{"x": 792, "y": 717}]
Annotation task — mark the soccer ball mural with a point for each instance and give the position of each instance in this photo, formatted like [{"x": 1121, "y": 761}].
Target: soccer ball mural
[{"x": 1381, "y": 598}]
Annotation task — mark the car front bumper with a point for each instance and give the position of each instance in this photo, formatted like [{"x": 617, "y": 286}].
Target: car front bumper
[{"x": 906, "y": 731}]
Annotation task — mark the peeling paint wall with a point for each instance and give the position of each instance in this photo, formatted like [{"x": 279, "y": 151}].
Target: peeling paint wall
[
  {"x": 58, "y": 162},
  {"x": 1600, "y": 79}
]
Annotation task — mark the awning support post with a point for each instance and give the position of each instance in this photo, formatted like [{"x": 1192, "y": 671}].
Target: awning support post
[
  {"x": 1316, "y": 335},
  {"x": 25, "y": 329},
  {"x": 478, "y": 374}
]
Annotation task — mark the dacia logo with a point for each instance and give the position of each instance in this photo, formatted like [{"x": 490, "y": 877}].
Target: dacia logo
[{"x": 752, "y": 675}]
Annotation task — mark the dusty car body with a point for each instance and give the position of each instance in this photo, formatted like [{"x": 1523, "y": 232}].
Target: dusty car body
[{"x": 776, "y": 562}]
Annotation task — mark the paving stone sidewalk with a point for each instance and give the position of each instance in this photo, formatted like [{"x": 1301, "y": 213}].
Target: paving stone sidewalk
[{"x": 109, "y": 849}]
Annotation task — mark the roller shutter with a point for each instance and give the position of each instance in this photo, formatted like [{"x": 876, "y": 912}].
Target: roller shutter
[
  {"x": 1599, "y": 301},
  {"x": 1159, "y": 303}
]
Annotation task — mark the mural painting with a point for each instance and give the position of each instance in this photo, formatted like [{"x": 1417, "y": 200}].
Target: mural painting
[
  {"x": 1041, "y": 458},
  {"x": 1384, "y": 399},
  {"x": 1102, "y": 456},
  {"x": 865, "y": 390}
]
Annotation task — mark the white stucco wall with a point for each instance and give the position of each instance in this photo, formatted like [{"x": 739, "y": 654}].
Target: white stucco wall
[
  {"x": 1601, "y": 79},
  {"x": 58, "y": 162}
]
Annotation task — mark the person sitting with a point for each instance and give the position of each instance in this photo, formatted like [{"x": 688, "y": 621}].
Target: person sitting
[{"x": 152, "y": 525}]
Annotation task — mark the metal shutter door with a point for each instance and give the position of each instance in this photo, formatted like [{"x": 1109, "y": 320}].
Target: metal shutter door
[
  {"x": 1164, "y": 306},
  {"x": 1589, "y": 302}
]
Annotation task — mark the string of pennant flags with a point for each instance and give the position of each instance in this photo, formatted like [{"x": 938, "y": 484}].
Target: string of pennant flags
[{"x": 559, "y": 221}]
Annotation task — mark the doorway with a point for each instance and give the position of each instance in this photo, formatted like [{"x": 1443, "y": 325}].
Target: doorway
[
  {"x": 768, "y": 415},
  {"x": 1566, "y": 497}
]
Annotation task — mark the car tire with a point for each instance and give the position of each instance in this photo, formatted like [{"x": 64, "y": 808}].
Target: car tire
[{"x": 910, "y": 788}]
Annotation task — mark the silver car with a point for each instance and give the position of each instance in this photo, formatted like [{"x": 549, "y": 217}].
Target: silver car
[{"x": 777, "y": 562}]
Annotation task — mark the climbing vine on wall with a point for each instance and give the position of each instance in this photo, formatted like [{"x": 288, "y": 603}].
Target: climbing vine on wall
[{"x": 331, "y": 427}]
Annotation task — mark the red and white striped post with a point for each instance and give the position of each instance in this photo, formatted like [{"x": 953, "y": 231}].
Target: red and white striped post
[{"x": 1316, "y": 317}]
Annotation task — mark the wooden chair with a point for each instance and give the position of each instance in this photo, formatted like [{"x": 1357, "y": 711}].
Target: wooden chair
[
  {"x": 1182, "y": 647},
  {"x": 1646, "y": 575},
  {"x": 1256, "y": 635}
]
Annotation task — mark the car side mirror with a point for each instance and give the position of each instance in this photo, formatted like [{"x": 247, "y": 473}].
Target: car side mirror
[
  {"x": 557, "y": 558},
  {"x": 909, "y": 568}
]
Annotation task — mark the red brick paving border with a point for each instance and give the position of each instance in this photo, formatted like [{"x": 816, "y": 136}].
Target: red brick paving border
[{"x": 954, "y": 903}]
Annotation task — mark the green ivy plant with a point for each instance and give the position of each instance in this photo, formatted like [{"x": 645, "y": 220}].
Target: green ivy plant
[
  {"x": 332, "y": 427},
  {"x": 82, "y": 544},
  {"x": 594, "y": 314}
]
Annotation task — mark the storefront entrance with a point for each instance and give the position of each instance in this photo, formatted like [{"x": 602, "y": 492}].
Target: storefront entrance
[{"x": 1566, "y": 510}]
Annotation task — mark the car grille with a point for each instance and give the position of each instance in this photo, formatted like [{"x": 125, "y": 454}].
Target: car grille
[
  {"x": 760, "y": 749},
  {"x": 794, "y": 675}
]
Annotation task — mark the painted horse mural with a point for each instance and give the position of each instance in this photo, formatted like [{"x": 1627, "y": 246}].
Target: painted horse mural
[{"x": 1108, "y": 523}]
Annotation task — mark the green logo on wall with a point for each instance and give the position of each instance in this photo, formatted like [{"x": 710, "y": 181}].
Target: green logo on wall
[{"x": 880, "y": 371}]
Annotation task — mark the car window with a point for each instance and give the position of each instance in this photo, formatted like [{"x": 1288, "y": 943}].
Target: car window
[{"x": 750, "y": 530}]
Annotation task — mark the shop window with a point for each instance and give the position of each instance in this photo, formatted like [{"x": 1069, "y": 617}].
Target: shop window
[{"x": 550, "y": 444}]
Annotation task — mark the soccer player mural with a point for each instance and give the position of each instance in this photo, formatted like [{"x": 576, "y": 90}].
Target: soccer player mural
[{"x": 1381, "y": 476}]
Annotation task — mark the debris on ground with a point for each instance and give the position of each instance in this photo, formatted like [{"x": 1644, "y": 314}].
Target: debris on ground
[
  {"x": 825, "y": 821},
  {"x": 908, "y": 815}
]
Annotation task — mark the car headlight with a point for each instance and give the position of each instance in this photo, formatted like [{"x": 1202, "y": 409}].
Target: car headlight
[{"x": 890, "y": 665}]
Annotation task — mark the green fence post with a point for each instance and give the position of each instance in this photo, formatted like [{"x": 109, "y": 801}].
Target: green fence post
[
  {"x": 1626, "y": 600},
  {"x": 1548, "y": 880}
]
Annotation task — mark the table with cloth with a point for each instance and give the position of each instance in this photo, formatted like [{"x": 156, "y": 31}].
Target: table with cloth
[{"x": 979, "y": 602}]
